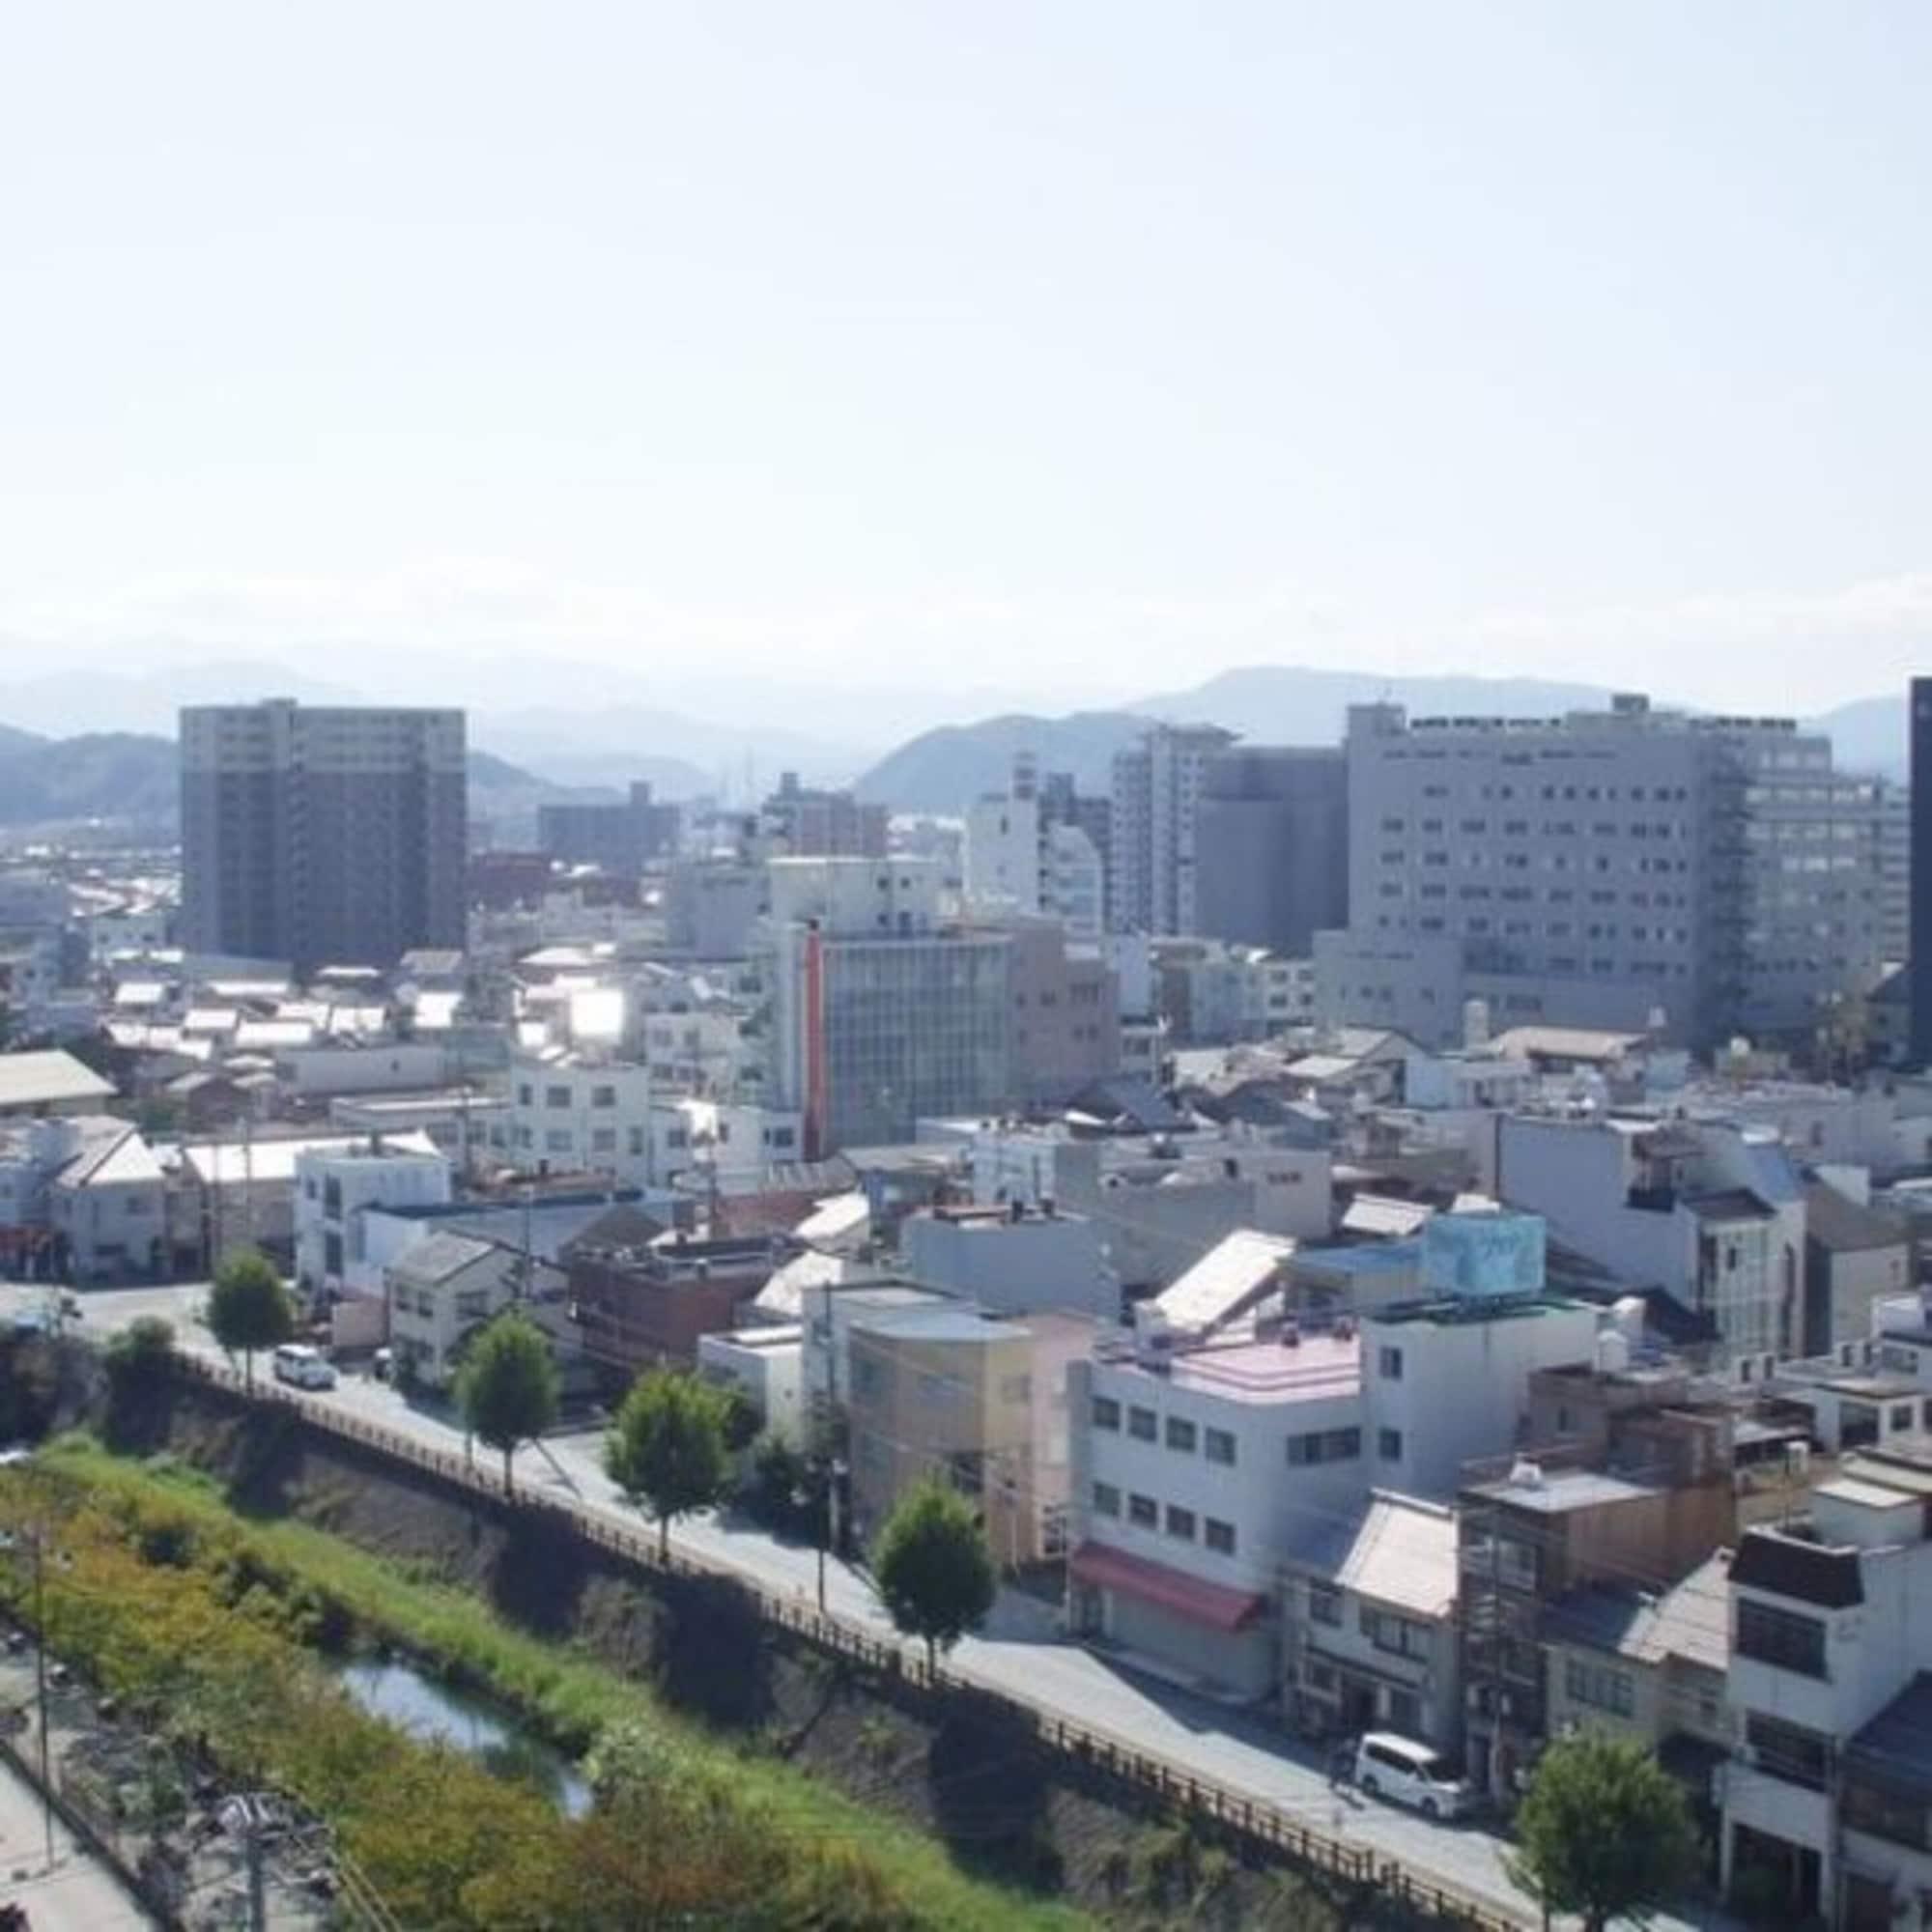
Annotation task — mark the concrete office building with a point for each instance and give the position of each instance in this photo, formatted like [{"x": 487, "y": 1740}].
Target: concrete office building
[
  {"x": 321, "y": 834},
  {"x": 813, "y": 824},
  {"x": 621, "y": 837},
  {"x": 1271, "y": 865},
  {"x": 1156, "y": 804},
  {"x": 881, "y": 1012},
  {"x": 1625, "y": 868}
]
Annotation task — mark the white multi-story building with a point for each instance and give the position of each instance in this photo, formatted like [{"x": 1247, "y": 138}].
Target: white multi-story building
[
  {"x": 1827, "y": 1803},
  {"x": 1020, "y": 859},
  {"x": 1201, "y": 1463},
  {"x": 335, "y": 1187},
  {"x": 583, "y": 1112},
  {"x": 1158, "y": 787},
  {"x": 1628, "y": 867}
]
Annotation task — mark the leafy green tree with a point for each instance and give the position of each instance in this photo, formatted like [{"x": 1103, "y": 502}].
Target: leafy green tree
[
  {"x": 933, "y": 1567},
  {"x": 139, "y": 1356},
  {"x": 1603, "y": 1832},
  {"x": 248, "y": 1308},
  {"x": 667, "y": 1447},
  {"x": 507, "y": 1387}
]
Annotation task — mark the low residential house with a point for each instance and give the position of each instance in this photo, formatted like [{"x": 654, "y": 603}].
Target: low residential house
[
  {"x": 449, "y": 1286},
  {"x": 108, "y": 1207},
  {"x": 39, "y": 1086},
  {"x": 1530, "y": 1538},
  {"x": 1370, "y": 1624},
  {"x": 1649, "y": 1664}
]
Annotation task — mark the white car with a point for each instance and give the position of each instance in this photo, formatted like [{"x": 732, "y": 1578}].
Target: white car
[
  {"x": 1412, "y": 1774},
  {"x": 303, "y": 1366}
]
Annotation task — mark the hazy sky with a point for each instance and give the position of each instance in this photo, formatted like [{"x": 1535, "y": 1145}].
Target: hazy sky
[{"x": 1077, "y": 346}]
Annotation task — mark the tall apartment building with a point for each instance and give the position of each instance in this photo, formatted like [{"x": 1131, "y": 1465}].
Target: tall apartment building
[
  {"x": 1156, "y": 804},
  {"x": 1892, "y": 832},
  {"x": 1025, "y": 854},
  {"x": 1271, "y": 862},
  {"x": 808, "y": 823},
  {"x": 1628, "y": 869},
  {"x": 321, "y": 834}
]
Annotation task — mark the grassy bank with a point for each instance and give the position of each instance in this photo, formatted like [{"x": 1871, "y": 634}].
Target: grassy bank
[{"x": 159, "y": 1544}]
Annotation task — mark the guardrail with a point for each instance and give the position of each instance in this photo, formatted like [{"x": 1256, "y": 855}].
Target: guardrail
[{"x": 1261, "y": 1821}]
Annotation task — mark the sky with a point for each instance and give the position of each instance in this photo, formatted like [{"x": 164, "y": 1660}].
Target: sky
[{"x": 1008, "y": 352}]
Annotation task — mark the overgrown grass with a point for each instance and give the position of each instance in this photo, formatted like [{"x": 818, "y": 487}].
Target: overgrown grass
[{"x": 561, "y": 1692}]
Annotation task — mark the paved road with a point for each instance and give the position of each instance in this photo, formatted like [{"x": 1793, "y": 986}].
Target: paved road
[
  {"x": 1020, "y": 1654},
  {"x": 79, "y": 1893}
]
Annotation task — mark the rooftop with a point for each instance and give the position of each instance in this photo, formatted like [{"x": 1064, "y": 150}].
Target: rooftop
[
  {"x": 48, "y": 1079},
  {"x": 1321, "y": 1367},
  {"x": 1557, "y": 1492}
]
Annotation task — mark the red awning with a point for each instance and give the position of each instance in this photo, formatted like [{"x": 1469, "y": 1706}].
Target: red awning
[{"x": 1215, "y": 1605}]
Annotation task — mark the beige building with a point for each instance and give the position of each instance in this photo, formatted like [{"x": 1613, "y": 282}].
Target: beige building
[{"x": 947, "y": 1390}]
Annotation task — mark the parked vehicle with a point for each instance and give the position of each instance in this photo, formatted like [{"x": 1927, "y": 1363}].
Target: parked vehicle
[
  {"x": 383, "y": 1364},
  {"x": 303, "y": 1366},
  {"x": 1412, "y": 1774}
]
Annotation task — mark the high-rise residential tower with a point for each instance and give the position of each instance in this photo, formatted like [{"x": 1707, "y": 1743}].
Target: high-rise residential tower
[
  {"x": 1156, "y": 806},
  {"x": 321, "y": 834},
  {"x": 1921, "y": 873}
]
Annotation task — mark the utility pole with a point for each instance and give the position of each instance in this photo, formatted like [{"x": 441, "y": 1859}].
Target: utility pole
[
  {"x": 40, "y": 1685},
  {"x": 258, "y": 1881}
]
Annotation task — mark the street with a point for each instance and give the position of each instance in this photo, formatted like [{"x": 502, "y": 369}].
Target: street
[
  {"x": 1020, "y": 1654},
  {"x": 79, "y": 1895}
]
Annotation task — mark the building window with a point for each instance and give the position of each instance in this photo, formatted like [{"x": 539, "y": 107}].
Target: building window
[
  {"x": 1141, "y": 1424},
  {"x": 1388, "y": 1445},
  {"x": 1219, "y": 1536},
  {"x": 1181, "y": 1435},
  {"x": 1324, "y": 1605},
  {"x": 1143, "y": 1512},
  {"x": 557, "y": 1096},
  {"x": 1789, "y": 1751},
  {"x": 1106, "y": 1499},
  {"x": 1598, "y": 1687},
  {"x": 604, "y": 1140},
  {"x": 1219, "y": 1446},
  {"x": 603, "y": 1096},
  {"x": 1180, "y": 1522},
  {"x": 1781, "y": 1638},
  {"x": 1389, "y": 1365},
  {"x": 1325, "y": 1445},
  {"x": 1106, "y": 1412},
  {"x": 558, "y": 1141}
]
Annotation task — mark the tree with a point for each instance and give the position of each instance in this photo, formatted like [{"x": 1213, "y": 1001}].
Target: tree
[
  {"x": 507, "y": 1386},
  {"x": 933, "y": 1567},
  {"x": 139, "y": 1356},
  {"x": 1603, "y": 1832},
  {"x": 249, "y": 1308},
  {"x": 667, "y": 1447}
]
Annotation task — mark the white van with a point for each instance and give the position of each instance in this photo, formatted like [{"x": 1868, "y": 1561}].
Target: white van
[
  {"x": 306, "y": 1368},
  {"x": 1388, "y": 1766}
]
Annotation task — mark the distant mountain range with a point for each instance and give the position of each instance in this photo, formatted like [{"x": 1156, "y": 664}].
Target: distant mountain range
[
  {"x": 134, "y": 776},
  {"x": 944, "y": 770}
]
